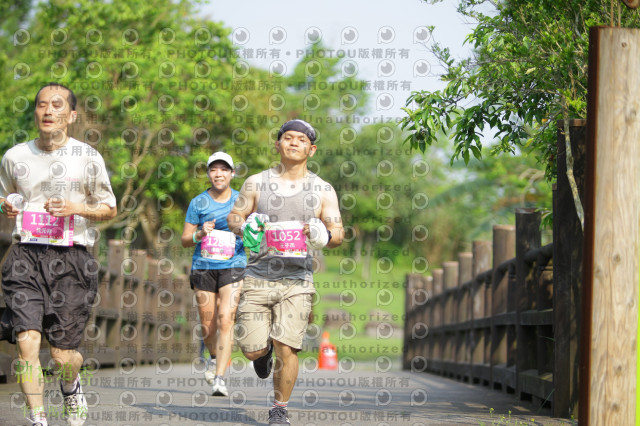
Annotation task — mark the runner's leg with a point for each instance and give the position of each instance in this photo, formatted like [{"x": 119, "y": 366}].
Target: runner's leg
[
  {"x": 285, "y": 372},
  {"x": 228, "y": 304},
  {"x": 206, "y": 301},
  {"x": 68, "y": 362},
  {"x": 28, "y": 344}
]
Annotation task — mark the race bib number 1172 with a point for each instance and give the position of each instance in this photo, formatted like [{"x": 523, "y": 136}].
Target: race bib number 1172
[{"x": 39, "y": 227}]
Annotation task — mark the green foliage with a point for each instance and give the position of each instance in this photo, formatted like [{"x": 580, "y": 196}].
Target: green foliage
[
  {"x": 142, "y": 71},
  {"x": 527, "y": 70},
  {"x": 466, "y": 201},
  {"x": 161, "y": 89}
]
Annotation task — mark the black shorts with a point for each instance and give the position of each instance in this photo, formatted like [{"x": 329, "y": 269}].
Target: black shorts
[
  {"x": 50, "y": 289},
  {"x": 213, "y": 280}
]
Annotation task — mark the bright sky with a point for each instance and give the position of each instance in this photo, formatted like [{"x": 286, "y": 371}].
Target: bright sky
[{"x": 387, "y": 43}]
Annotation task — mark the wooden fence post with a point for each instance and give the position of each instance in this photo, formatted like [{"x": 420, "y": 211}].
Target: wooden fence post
[
  {"x": 567, "y": 270},
  {"x": 450, "y": 283},
  {"x": 608, "y": 379},
  {"x": 437, "y": 338},
  {"x": 427, "y": 348},
  {"x": 465, "y": 283},
  {"x": 481, "y": 335},
  {"x": 528, "y": 237},
  {"x": 415, "y": 300},
  {"x": 503, "y": 250}
]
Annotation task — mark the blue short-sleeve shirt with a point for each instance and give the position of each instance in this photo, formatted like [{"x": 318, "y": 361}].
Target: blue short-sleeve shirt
[{"x": 202, "y": 209}]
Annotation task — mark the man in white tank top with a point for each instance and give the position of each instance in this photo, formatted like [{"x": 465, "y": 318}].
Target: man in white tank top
[{"x": 282, "y": 214}]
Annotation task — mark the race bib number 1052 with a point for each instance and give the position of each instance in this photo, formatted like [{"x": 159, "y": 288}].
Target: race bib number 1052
[{"x": 286, "y": 239}]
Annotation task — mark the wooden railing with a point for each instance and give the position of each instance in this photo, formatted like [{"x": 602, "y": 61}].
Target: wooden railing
[
  {"x": 507, "y": 314},
  {"x": 143, "y": 313}
]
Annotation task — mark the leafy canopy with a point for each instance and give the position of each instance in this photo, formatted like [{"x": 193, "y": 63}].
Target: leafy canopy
[{"x": 528, "y": 68}]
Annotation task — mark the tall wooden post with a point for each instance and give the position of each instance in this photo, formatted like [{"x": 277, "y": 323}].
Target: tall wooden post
[
  {"x": 503, "y": 250},
  {"x": 438, "y": 310},
  {"x": 567, "y": 271},
  {"x": 528, "y": 238},
  {"x": 608, "y": 374},
  {"x": 465, "y": 260},
  {"x": 481, "y": 336}
]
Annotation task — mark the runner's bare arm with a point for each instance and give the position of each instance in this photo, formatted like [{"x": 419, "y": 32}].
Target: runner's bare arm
[
  {"x": 7, "y": 186},
  {"x": 7, "y": 209},
  {"x": 245, "y": 204},
  {"x": 59, "y": 207},
  {"x": 187, "y": 234},
  {"x": 189, "y": 228},
  {"x": 330, "y": 216}
]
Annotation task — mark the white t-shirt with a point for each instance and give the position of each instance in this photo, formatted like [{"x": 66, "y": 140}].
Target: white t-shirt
[{"x": 76, "y": 172}]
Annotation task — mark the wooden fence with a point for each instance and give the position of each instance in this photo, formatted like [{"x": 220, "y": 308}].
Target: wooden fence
[
  {"x": 507, "y": 314},
  {"x": 144, "y": 313}
]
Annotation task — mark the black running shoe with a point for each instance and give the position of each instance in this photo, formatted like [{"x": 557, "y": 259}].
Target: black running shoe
[{"x": 264, "y": 364}]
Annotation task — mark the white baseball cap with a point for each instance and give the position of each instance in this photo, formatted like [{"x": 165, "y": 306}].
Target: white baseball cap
[{"x": 220, "y": 156}]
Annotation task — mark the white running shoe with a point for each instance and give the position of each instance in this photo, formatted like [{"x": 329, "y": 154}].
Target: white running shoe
[
  {"x": 39, "y": 419},
  {"x": 75, "y": 405},
  {"x": 210, "y": 373},
  {"x": 219, "y": 387}
]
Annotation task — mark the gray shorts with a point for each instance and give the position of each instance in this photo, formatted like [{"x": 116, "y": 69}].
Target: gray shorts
[
  {"x": 273, "y": 309},
  {"x": 49, "y": 289}
]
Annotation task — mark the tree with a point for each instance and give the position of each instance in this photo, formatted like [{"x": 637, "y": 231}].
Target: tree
[
  {"x": 145, "y": 72},
  {"x": 314, "y": 91},
  {"x": 528, "y": 69},
  {"x": 375, "y": 185}
]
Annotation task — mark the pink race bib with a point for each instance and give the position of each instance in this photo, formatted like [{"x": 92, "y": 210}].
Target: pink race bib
[
  {"x": 218, "y": 245},
  {"x": 286, "y": 239},
  {"x": 39, "y": 227}
]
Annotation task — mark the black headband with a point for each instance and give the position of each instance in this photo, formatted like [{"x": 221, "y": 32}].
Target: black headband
[{"x": 298, "y": 126}]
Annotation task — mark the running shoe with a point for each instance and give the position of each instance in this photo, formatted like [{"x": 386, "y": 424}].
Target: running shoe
[
  {"x": 75, "y": 405},
  {"x": 219, "y": 387},
  {"x": 39, "y": 419},
  {"x": 278, "y": 416},
  {"x": 264, "y": 364},
  {"x": 210, "y": 373}
]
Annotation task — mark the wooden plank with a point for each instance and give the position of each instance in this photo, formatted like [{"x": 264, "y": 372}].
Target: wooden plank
[
  {"x": 540, "y": 386},
  {"x": 528, "y": 318},
  {"x": 504, "y": 376},
  {"x": 481, "y": 372},
  {"x": 612, "y": 226},
  {"x": 505, "y": 318}
]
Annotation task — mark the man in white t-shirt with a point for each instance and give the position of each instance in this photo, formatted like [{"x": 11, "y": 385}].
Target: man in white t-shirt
[{"x": 49, "y": 279}]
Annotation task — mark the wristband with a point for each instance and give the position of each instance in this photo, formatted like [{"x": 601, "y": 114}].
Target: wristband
[
  {"x": 318, "y": 234},
  {"x": 1, "y": 204},
  {"x": 194, "y": 237}
]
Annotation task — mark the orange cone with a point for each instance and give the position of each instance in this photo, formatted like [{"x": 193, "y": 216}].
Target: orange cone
[{"x": 327, "y": 355}]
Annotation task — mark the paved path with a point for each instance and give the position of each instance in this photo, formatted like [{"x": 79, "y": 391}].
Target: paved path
[{"x": 178, "y": 395}]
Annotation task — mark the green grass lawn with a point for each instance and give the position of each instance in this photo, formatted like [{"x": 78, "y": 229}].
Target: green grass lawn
[{"x": 365, "y": 298}]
